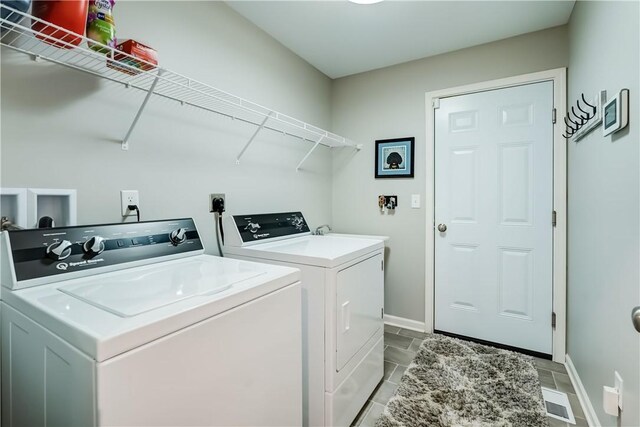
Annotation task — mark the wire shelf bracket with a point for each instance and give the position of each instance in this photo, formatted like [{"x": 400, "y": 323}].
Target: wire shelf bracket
[
  {"x": 309, "y": 153},
  {"x": 264, "y": 122},
  {"x": 43, "y": 41},
  {"x": 125, "y": 141}
]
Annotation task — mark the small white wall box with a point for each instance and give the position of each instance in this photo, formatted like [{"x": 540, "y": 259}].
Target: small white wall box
[
  {"x": 13, "y": 205},
  {"x": 59, "y": 204},
  {"x": 616, "y": 113},
  {"x": 610, "y": 399}
]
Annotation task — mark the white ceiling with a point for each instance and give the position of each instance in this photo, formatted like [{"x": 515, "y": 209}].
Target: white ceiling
[{"x": 341, "y": 38}]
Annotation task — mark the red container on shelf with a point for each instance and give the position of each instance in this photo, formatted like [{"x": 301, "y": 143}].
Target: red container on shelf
[
  {"x": 71, "y": 15},
  {"x": 141, "y": 57}
]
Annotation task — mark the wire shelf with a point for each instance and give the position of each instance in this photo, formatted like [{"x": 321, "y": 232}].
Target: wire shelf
[{"x": 40, "y": 39}]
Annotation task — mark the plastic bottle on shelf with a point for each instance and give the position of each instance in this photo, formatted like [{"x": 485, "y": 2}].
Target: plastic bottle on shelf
[
  {"x": 71, "y": 15},
  {"x": 100, "y": 24}
]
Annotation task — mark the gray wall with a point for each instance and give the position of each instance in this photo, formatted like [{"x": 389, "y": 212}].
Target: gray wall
[
  {"x": 60, "y": 128},
  {"x": 604, "y": 186},
  {"x": 389, "y": 103}
]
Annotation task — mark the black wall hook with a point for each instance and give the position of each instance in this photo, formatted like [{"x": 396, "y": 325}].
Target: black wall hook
[
  {"x": 573, "y": 129},
  {"x": 593, "y": 107},
  {"x": 575, "y": 126},
  {"x": 589, "y": 114},
  {"x": 582, "y": 119}
]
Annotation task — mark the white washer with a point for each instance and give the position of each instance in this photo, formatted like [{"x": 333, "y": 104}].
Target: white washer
[
  {"x": 342, "y": 307},
  {"x": 130, "y": 324}
]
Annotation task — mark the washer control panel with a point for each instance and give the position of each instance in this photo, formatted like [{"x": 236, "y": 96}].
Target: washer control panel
[
  {"x": 257, "y": 227},
  {"x": 45, "y": 252}
]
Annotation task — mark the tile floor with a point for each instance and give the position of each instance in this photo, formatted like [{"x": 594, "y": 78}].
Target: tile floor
[
  {"x": 554, "y": 376},
  {"x": 400, "y": 348}
]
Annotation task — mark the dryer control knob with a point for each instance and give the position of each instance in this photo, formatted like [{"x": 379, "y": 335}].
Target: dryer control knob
[
  {"x": 59, "y": 250},
  {"x": 94, "y": 245},
  {"x": 178, "y": 236}
]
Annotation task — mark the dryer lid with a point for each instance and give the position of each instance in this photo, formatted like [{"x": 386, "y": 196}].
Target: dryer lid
[
  {"x": 130, "y": 293},
  {"x": 323, "y": 251}
]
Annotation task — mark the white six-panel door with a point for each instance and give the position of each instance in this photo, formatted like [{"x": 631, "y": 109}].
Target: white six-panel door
[{"x": 494, "y": 195}]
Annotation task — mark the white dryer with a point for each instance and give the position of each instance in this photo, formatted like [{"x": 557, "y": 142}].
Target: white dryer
[
  {"x": 131, "y": 324},
  {"x": 342, "y": 307}
]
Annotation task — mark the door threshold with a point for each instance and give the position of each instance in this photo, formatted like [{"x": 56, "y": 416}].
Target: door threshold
[{"x": 496, "y": 345}]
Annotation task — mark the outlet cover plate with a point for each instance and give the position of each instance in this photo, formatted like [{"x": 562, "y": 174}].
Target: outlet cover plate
[
  {"x": 214, "y": 196},
  {"x": 129, "y": 197}
]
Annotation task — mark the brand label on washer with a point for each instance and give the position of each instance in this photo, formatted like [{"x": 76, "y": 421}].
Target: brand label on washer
[{"x": 83, "y": 263}]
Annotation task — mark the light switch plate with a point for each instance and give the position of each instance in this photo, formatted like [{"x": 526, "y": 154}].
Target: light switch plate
[{"x": 415, "y": 201}]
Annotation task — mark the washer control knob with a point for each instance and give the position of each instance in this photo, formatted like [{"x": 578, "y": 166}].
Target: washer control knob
[
  {"x": 94, "y": 245},
  {"x": 59, "y": 250},
  {"x": 178, "y": 236},
  {"x": 252, "y": 227}
]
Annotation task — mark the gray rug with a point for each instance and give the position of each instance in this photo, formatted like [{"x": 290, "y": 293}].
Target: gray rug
[{"x": 459, "y": 383}]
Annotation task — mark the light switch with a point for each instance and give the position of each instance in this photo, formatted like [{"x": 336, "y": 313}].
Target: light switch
[{"x": 415, "y": 201}]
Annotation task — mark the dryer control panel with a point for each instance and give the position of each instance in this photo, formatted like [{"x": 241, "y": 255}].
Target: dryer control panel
[
  {"x": 62, "y": 253},
  {"x": 259, "y": 227}
]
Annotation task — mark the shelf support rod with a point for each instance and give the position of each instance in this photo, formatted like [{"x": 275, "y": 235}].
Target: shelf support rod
[
  {"x": 309, "y": 153},
  {"x": 125, "y": 141},
  {"x": 264, "y": 122}
]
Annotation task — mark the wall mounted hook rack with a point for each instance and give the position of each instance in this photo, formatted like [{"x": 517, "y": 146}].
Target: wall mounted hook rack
[{"x": 587, "y": 118}]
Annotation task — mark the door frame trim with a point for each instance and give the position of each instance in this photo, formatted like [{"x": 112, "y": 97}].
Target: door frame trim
[{"x": 559, "y": 78}]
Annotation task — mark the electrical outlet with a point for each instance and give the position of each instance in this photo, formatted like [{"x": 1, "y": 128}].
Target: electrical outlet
[
  {"x": 391, "y": 202},
  {"x": 129, "y": 197},
  {"x": 387, "y": 202},
  {"x": 216, "y": 196}
]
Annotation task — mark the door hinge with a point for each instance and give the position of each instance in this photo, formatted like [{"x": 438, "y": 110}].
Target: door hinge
[
  {"x": 553, "y": 116},
  {"x": 382, "y": 265},
  {"x": 382, "y": 313},
  {"x": 554, "y": 220},
  {"x": 435, "y": 102},
  {"x": 553, "y": 320}
]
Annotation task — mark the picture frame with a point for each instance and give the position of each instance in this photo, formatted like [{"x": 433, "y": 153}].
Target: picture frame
[{"x": 394, "y": 158}]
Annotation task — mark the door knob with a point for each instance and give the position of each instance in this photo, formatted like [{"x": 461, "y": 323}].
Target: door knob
[
  {"x": 442, "y": 228},
  {"x": 635, "y": 318}
]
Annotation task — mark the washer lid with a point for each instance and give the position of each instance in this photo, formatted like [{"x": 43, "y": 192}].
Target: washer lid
[{"x": 128, "y": 294}]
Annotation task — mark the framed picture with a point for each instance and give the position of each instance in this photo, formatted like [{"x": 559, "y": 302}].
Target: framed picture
[{"x": 394, "y": 158}]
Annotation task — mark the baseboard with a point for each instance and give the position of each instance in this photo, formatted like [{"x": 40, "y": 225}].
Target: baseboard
[
  {"x": 402, "y": 322},
  {"x": 587, "y": 407}
]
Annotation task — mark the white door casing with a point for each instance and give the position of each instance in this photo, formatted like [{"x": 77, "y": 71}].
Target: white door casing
[
  {"x": 494, "y": 193},
  {"x": 557, "y": 79}
]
